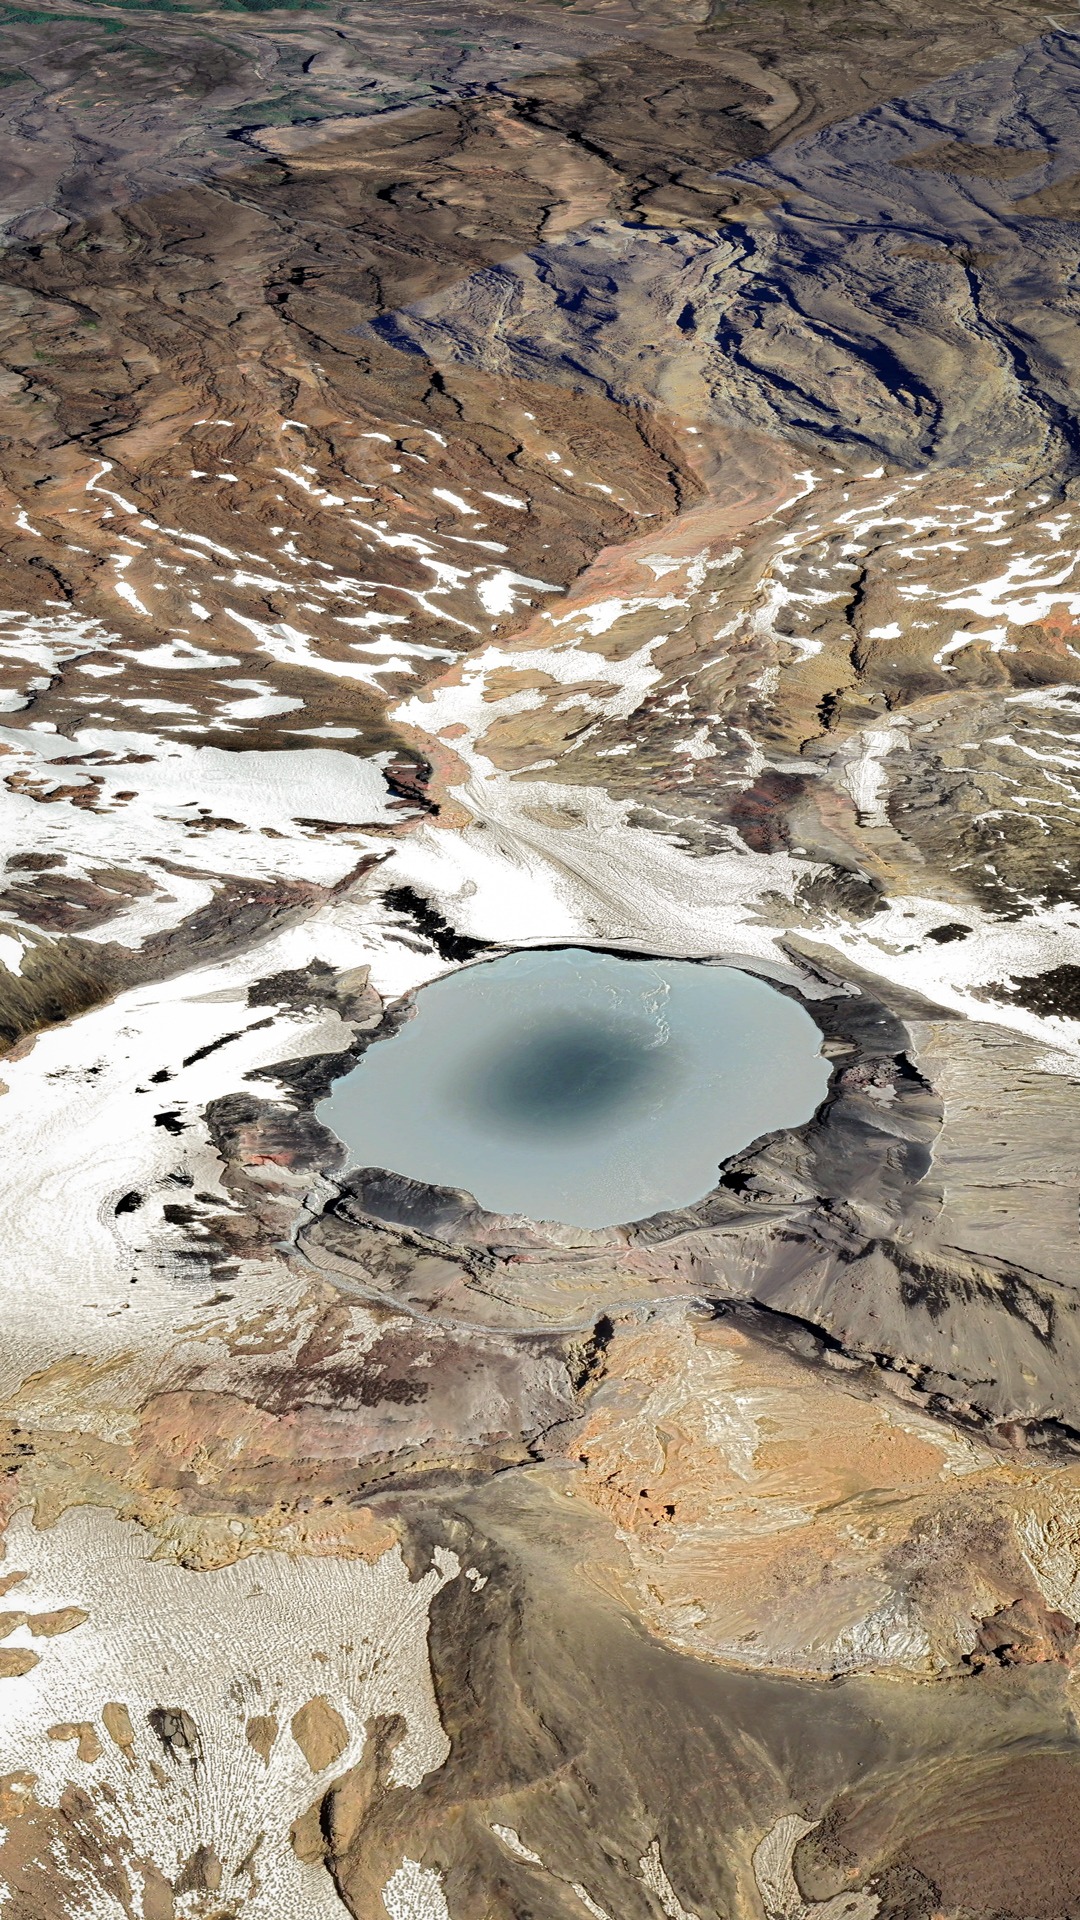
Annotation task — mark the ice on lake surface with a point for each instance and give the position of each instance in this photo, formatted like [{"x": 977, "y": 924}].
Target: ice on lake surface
[{"x": 578, "y": 1086}]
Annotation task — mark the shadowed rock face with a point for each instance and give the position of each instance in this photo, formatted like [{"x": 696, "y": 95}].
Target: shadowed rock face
[{"x": 537, "y": 476}]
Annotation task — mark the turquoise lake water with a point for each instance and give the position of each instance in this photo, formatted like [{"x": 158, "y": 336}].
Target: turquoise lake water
[{"x": 581, "y": 1087}]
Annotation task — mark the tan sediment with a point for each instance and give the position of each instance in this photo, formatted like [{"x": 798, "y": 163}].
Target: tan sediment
[{"x": 319, "y": 1732}]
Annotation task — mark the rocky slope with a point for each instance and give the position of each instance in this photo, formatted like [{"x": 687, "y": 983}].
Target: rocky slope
[{"x": 590, "y": 474}]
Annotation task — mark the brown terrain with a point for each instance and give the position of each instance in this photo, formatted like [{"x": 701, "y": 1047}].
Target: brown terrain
[{"x": 593, "y": 474}]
